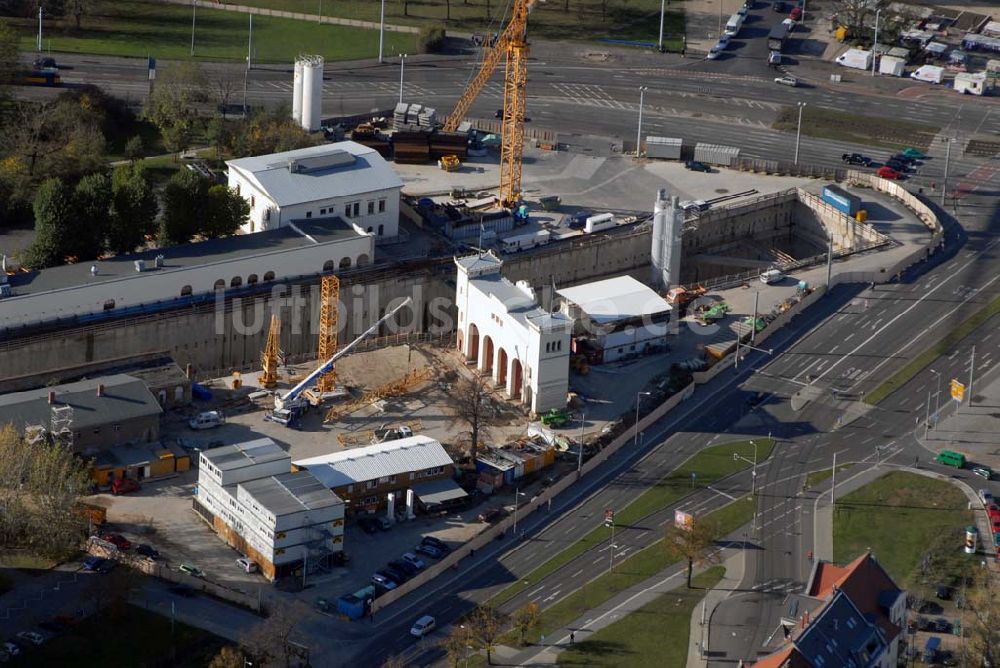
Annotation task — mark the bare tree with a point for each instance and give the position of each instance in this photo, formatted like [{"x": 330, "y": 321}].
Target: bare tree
[
  {"x": 457, "y": 644},
  {"x": 694, "y": 543},
  {"x": 78, "y": 8},
  {"x": 268, "y": 642},
  {"x": 473, "y": 405},
  {"x": 982, "y": 625},
  {"x": 225, "y": 82},
  {"x": 855, "y": 13},
  {"x": 485, "y": 624},
  {"x": 526, "y": 618}
]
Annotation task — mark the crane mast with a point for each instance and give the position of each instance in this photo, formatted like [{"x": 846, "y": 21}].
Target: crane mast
[{"x": 513, "y": 45}]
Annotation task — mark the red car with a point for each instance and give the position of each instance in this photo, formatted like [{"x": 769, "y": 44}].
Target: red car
[
  {"x": 887, "y": 173},
  {"x": 116, "y": 539},
  {"x": 124, "y": 486}
]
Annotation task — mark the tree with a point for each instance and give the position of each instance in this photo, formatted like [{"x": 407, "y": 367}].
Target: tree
[
  {"x": 173, "y": 105},
  {"x": 695, "y": 543},
  {"x": 217, "y": 135},
  {"x": 228, "y": 657},
  {"x": 184, "y": 200},
  {"x": 855, "y": 13},
  {"x": 457, "y": 645},
  {"x": 133, "y": 209},
  {"x": 92, "y": 200},
  {"x": 268, "y": 642},
  {"x": 133, "y": 148},
  {"x": 8, "y": 53},
  {"x": 225, "y": 212},
  {"x": 39, "y": 484},
  {"x": 484, "y": 626},
  {"x": 526, "y": 618},
  {"x": 225, "y": 83},
  {"x": 55, "y": 222},
  {"x": 78, "y": 8},
  {"x": 473, "y": 405},
  {"x": 982, "y": 624}
]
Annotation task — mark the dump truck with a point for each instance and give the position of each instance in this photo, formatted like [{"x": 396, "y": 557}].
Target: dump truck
[{"x": 680, "y": 297}]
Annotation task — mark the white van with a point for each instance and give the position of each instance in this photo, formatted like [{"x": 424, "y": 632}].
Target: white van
[
  {"x": 733, "y": 25},
  {"x": 207, "y": 420},
  {"x": 772, "y": 276},
  {"x": 423, "y": 626}
]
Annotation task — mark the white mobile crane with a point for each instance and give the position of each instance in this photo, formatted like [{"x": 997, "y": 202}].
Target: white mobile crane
[{"x": 287, "y": 406}]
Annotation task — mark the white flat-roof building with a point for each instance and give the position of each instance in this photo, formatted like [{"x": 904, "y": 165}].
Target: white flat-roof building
[
  {"x": 617, "y": 317},
  {"x": 282, "y": 520},
  {"x": 345, "y": 179},
  {"x": 503, "y": 330}
]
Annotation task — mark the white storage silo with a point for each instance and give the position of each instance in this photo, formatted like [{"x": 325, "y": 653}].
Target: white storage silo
[
  {"x": 312, "y": 93},
  {"x": 668, "y": 228},
  {"x": 297, "y": 91}
]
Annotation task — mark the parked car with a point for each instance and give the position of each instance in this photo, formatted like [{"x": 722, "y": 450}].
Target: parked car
[
  {"x": 91, "y": 563},
  {"x": 913, "y": 153},
  {"x": 106, "y": 566},
  {"x": 384, "y": 523},
  {"x": 787, "y": 81},
  {"x": 192, "y": 570},
  {"x": 774, "y": 58},
  {"x": 905, "y": 159},
  {"x": 724, "y": 40},
  {"x": 391, "y": 577},
  {"x": 900, "y": 167},
  {"x": 411, "y": 558},
  {"x": 116, "y": 539},
  {"x": 578, "y": 220},
  {"x": 396, "y": 574},
  {"x": 943, "y": 592},
  {"x": 856, "y": 159},
  {"x": 406, "y": 567},
  {"x": 423, "y": 626},
  {"x": 207, "y": 420},
  {"x": 147, "y": 551},
  {"x": 491, "y": 515},
  {"x": 716, "y": 51},
  {"x": 778, "y": 6},
  {"x": 12, "y": 648},
  {"x": 124, "y": 486},
  {"x": 430, "y": 550},
  {"x": 380, "y": 580},
  {"x": 32, "y": 637},
  {"x": 693, "y": 206},
  {"x": 942, "y": 625},
  {"x": 697, "y": 166},
  {"x": 888, "y": 173},
  {"x": 436, "y": 542},
  {"x": 983, "y": 472},
  {"x": 985, "y": 496},
  {"x": 247, "y": 565}
]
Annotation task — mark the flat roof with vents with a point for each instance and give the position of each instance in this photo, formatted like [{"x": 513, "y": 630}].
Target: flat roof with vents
[
  {"x": 356, "y": 465},
  {"x": 240, "y": 455},
  {"x": 291, "y": 493}
]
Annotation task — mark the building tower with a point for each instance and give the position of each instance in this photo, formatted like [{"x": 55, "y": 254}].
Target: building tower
[{"x": 668, "y": 226}]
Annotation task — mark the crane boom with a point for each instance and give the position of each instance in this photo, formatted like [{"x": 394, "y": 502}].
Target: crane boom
[
  {"x": 512, "y": 44},
  {"x": 293, "y": 394}
]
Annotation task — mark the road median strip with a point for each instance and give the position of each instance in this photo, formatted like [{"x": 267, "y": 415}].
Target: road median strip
[
  {"x": 927, "y": 357},
  {"x": 708, "y": 466}
]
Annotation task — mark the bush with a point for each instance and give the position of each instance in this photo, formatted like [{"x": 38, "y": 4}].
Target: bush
[{"x": 430, "y": 40}]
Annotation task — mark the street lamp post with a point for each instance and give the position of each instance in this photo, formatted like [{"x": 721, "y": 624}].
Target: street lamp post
[
  {"x": 798, "y": 130},
  {"x": 381, "y": 31},
  {"x": 753, "y": 474},
  {"x": 194, "y": 14},
  {"x": 517, "y": 495},
  {"x": 937, "y": 396},
  {"x": 38, "y": 45},
  {"x": 878, "y": 13},
  {"x": 947, "y": 161},
  {"x": 663, "y": 11},
  {"x": 635, "y": 439},
  {"x": 583, "y": 431},
  {"x": 638, "y": 132},
  {"x": 402, "y": 65}
]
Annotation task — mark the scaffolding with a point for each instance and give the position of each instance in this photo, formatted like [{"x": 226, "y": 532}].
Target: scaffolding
[{"x": 62, "y": 425}]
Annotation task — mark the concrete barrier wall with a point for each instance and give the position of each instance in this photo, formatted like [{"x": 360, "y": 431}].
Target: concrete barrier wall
[{"x": 847, "y": 232}]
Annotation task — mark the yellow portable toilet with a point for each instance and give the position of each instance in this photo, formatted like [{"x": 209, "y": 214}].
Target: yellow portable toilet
[
  {"x": 861, "y": 215},
  {"x": 841, "y": 33}
]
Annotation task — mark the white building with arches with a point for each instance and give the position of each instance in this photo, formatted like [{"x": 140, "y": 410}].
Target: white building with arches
[
  {"x": 344, "y": 179},
  {"x": 502, "y": 330}
]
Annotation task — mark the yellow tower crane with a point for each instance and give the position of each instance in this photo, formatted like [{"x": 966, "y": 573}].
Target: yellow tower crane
[
  {"x": 269, "y": 359},
  {"x": 329, "y": 314},
  {"x": 513, "y": 44}
]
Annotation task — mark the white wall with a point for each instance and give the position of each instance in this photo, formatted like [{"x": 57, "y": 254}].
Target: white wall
[
  {"x": 251, "y": 472},
  {"x": 632, "y": 340}
]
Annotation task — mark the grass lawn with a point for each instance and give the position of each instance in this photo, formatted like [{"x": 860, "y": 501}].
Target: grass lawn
[
  {"x": 655, "y": 635},
  {"x": 816, "y": 477},
  {"x": 143, "y": 28},
  {"x": 899, "y": 516},
  {"x": 630, "y": 572},
  {"x": 709, "y": 465},
  {"x": 136, "y": 638},
  {"x": 25, "y": 560},
  {"x": 918, "y": 363},
  {"x": 624, "y": 19},
  {"x": 891, "y": 133}
]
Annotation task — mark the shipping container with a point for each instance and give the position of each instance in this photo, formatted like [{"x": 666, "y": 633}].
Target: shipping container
[
  {"x": 715, "y": 154},
  {"x": 665, "y": 148},
  {"x": 841, "y": 200},
  {"x": 891, "y": 66}
]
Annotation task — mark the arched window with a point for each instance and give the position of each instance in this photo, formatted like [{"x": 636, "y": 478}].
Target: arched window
[
  {"x": 252, "y": 279},
  {"x": 186, "y": 291},
  {"x": 369, "y": 229},
  {"x": 108, "y": 305},
  {"x": 380, "y": 229},
  {"x": 269, "y": 276},
  {"x": 220, "y": 285},
  {"x": 362, "y": 260},
  {"x": 236, "y": 282},
  {"x": 328, "y": 266},
  {"x": 345, "y": 263}
]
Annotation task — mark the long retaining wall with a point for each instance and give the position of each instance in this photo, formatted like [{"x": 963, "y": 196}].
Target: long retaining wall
[{"x": 454, "y": 560}]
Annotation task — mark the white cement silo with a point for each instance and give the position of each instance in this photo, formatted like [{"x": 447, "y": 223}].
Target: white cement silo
[
  {"x": 668, "y": 228},
  {"x": 297, "y": 92},
  {"x": 312, "y": 93}
]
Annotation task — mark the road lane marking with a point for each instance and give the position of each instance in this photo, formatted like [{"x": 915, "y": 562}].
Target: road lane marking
[{"x": 731, "y": 498}]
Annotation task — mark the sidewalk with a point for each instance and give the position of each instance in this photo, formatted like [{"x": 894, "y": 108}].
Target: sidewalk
[{"x": 701, "y": 616}]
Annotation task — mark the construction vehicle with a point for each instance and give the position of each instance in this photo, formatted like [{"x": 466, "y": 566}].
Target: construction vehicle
[
  {"x": 707, "y": 314},
  {"x": 449, "y": 163},
  {"x": 269, "y": 358},
  {"x": 556, "y": 418},
  {"x": 680, "y": 297},
  {"x": 510, "y": 44},
  {"x": 288, "y": 406}
]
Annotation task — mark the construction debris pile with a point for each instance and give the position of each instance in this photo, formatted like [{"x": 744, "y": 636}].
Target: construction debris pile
[
  {"x": 503, "y": 465},
  {"x": 414, "y": 117}
]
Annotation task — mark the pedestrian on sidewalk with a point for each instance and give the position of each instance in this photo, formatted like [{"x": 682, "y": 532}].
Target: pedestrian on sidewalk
[{"x": 572, "y": 638}]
